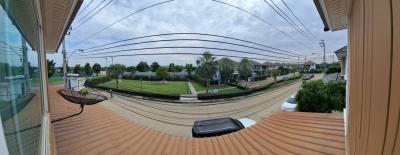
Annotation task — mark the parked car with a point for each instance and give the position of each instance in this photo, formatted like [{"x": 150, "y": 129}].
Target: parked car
[
  {"x": 219, "y": 126},
  {"x": 307, "y": 76},
  {"x": 286, "y": 77},
  {"x": 290, "y": 104}
]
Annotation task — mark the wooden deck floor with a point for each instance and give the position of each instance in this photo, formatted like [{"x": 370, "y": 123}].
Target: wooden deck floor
[{"x": 100, "y": 131}]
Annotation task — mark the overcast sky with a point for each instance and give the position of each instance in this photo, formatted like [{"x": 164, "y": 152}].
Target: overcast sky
[{"x": 199, "y": 16}]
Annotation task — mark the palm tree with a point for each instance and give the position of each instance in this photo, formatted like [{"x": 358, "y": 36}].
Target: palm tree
[
  {"x": 275, "y": 73},
  {"x": 207, "y": 67},
  {"x": 189, "y": 69}
]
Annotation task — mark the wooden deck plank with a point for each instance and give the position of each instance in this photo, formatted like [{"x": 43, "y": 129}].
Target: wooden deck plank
[{"x": 100, "y": 131}]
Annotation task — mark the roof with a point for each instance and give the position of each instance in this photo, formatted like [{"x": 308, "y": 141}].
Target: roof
[
  {"x": 334, "y": 13},
  {"x": 57, "y": 16},
  {"x": 98, "y": 130},
  {"x": 309, "y": 62},
  {"x": 342, "y": 50},
  {"x": 254, "y": 62},
  {"x": 267, "y": 63}
]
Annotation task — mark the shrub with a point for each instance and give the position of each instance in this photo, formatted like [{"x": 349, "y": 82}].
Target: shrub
[
  {"x": 84, "y": 91},
  {"x": 139, "y": 93},
  {"x": 333, "y": 69},
  {"x": 258, "y": 78},
  {"x": 207, "y": 96},
  {"x": 98, "y": 80},
  {"x": 317, "y": 97}
]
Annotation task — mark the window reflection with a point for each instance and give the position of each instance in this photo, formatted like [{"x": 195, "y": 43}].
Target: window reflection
[{"x": 20, "y": 96}]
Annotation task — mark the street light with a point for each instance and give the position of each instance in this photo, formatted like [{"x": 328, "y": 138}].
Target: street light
[
  {"x": 65, "y": 62},
  {"x": 322, "y": 44}
]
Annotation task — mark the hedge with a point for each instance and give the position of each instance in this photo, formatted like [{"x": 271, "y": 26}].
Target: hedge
[
  {"x": 258, "y": 78},
  {"x": 207, "y": 96},
  {"x": 333, "y": 69},
  {"x": 318, "y": 97},
  {"x": 97, "y": 81},
  {"x": 139, "y": 93}
]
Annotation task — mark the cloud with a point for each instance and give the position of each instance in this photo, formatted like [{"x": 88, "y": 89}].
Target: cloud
[{"x": 203, "y": 16}]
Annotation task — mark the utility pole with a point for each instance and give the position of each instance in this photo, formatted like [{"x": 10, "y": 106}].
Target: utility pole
[
  {"x": 322, "y": 44},
  {"x": 64, "y": 53},
  {"x": 298, "y": 64}
]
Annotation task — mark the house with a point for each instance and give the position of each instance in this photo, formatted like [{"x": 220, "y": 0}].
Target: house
[
  {"x": 311, "y": 65},
  {"x": 373, "y": 71},
  {"x": 258, "y": 68},
  {"x": 342, "y": 57}
]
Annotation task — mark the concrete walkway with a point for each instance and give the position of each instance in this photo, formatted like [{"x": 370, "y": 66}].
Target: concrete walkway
[{"x": 192, "y": 90}]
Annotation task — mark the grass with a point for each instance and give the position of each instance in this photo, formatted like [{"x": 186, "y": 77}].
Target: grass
[
  {"x": 50, "y": 80},
  {"x": 201, "y": 88},
  {"x": 169, "y": 88},
  {"x": 230, "y": 90},
  {"x": 56, "y": 80}
]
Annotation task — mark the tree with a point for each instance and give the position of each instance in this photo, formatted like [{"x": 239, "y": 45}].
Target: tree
[
  {"x": 115, "y": 70},
  {"x": 245, "y": 68},
  {"x": 50, "y": 68},
  {"x": 88, "y": 69},
  {"x": 189, "y": 69},
  {"x": 207, "y": 67},
  {"x": 131, "y": 69},
  {"x": 96, "y": 68},
  {"x": 316, "y": 96},
  {"x": 142, "y": 66},
  {"x": 274, "y": 73},
  {"x": 154, "y": 66},
  {"x": 172, "y": 68},
  {"x": 226, "y": 66},
  {"x": 77, "y": 69},
  {"x": 162, "y": 72}
]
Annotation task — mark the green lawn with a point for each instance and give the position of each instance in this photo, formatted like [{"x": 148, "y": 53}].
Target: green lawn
[
  {"x": 223, "y": 89},
  {"x": 230, "y": 90},
  {"x": 200, "y": 88},
  {"x": 50, "y": 80},
  {"x": 169, "y": 88},
  {"x": 56, "y": 80}
]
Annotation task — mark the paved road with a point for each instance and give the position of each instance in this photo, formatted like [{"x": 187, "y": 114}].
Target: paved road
[{"x": 177, "y": 119}]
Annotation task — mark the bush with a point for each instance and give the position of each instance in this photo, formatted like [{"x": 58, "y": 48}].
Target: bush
[
  {"x": 84, "y": 91},
  {"x": 317, "y": 97},
  {"x": 333, "y": 69},
  {"x": 139, "y": 93},
  {"x": 207, "y": 96},
  {"x": 98, "y": 80},
  {"x": 258, "y": 78}
]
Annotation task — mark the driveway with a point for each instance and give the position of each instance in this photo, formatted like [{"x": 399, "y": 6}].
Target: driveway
[{"x": 177, "y": 119}]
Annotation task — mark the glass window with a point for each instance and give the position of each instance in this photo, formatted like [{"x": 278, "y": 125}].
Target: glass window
[{"x": 20, "y": 93}]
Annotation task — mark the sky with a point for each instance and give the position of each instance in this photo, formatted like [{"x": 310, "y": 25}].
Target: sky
[{"x": 198, "y": 16}]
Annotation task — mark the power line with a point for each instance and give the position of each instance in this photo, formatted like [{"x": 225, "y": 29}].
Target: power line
[
  {"x": 87, "y": 19},
  {"x": 187, "y": 47},
  {"x": 176, "y": 53},
  {"x": 81, "y": 11},
  {"x": 98, "y": 5},
  {"x": 140, "y": 10},
  {"x": 201, "y": 34},
  {"x": 203, "y": 40},
  {"x": 288, "y": 20},
  {"x": 263, "y": 20},
  {"x": 310, "y": 35},
  {"x": 292, "y": 12}
]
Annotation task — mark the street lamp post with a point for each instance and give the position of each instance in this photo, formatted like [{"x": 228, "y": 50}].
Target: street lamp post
[
  {"x": 65, "y": 62},
  {"x": 322, "y": 44}
]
